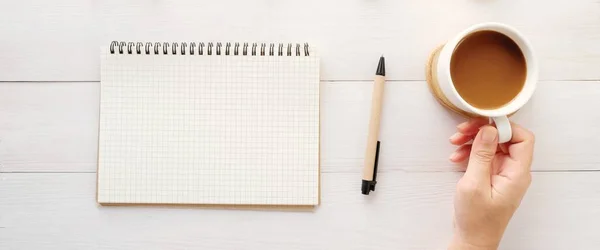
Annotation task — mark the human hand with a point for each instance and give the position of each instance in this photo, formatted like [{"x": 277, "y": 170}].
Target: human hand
[{"x": 495, "y": 181}]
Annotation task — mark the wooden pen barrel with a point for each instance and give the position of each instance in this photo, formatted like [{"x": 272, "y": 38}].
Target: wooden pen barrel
[{"x": 374, "y": 123}]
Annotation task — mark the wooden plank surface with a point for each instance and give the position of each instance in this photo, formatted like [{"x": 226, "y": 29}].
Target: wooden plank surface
[
  {"x": 408, "y": 211},
  {"x": 59, "y": 40},
  {"x": 49, "y": 118},
  {"x": 53, "y": 127}
]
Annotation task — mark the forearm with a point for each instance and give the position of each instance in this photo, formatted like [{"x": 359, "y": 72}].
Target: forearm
[{"x": 458, "y": 244}]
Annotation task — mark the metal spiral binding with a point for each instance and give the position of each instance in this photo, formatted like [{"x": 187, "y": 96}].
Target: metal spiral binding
[{"x": 193, "y": 48}]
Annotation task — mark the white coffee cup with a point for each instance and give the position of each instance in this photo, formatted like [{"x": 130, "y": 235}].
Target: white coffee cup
[{"x": 499, "y": 115}]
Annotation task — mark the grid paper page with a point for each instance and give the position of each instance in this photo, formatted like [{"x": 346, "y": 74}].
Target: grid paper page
[{"x": 192, "y": 129}]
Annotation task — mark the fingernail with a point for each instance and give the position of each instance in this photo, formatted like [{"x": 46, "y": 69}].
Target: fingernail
[
  {"x": 488, "y": 134},
  {"x": 455, "y": 136},
  {"x": 453, "y": 156}
]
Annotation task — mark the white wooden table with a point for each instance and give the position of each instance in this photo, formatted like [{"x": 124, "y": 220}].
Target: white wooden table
[{"x": 49, "y": 98}]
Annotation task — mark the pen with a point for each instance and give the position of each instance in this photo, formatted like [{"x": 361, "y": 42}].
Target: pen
[{"x": 373, "y": 144}]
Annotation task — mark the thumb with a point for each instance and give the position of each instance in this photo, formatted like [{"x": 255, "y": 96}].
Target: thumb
[{"x": 482, "y": 154}]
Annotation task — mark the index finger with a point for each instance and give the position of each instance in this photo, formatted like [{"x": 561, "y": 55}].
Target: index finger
[
  {"x": 471, "y": 127},
  {"x": 521, "y": 145}
]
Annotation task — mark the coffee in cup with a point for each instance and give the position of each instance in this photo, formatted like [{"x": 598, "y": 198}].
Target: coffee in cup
[{"x": 488, "y": 69}]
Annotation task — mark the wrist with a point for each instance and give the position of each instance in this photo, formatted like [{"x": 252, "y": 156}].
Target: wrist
[{"x": 458, "y": 244}]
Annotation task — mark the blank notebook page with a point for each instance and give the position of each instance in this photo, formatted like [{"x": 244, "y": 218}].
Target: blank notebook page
[{"x": 209, "y": 129}]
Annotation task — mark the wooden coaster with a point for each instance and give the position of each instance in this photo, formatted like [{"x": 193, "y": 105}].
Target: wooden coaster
[{"x": 431, "y": 77}]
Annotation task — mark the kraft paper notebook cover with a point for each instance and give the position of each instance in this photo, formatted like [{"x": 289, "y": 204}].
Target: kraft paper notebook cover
[{"x": 196, "y": 123}]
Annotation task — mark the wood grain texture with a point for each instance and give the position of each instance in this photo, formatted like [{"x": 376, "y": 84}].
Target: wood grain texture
[
  {"x": 53, "y": 127},
  {"x": 59, "y": 40},
  {"x": 408, "y": 211},
  {"x": 48, "y": 127}
]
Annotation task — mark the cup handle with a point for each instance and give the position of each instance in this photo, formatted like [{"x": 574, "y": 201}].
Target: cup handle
[{"x": 504, "y": 128}]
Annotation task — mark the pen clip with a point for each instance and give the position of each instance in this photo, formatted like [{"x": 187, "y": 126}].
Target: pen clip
[
  {"x": 368, "y": 186},
  {"x": 375, "y": 166}
]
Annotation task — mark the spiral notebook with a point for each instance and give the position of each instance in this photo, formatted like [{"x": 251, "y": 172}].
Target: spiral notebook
[{"x": 209, "y": 123}]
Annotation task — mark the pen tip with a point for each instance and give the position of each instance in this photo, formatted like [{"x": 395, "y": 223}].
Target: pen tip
[{"x": 381, "y": 67}]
